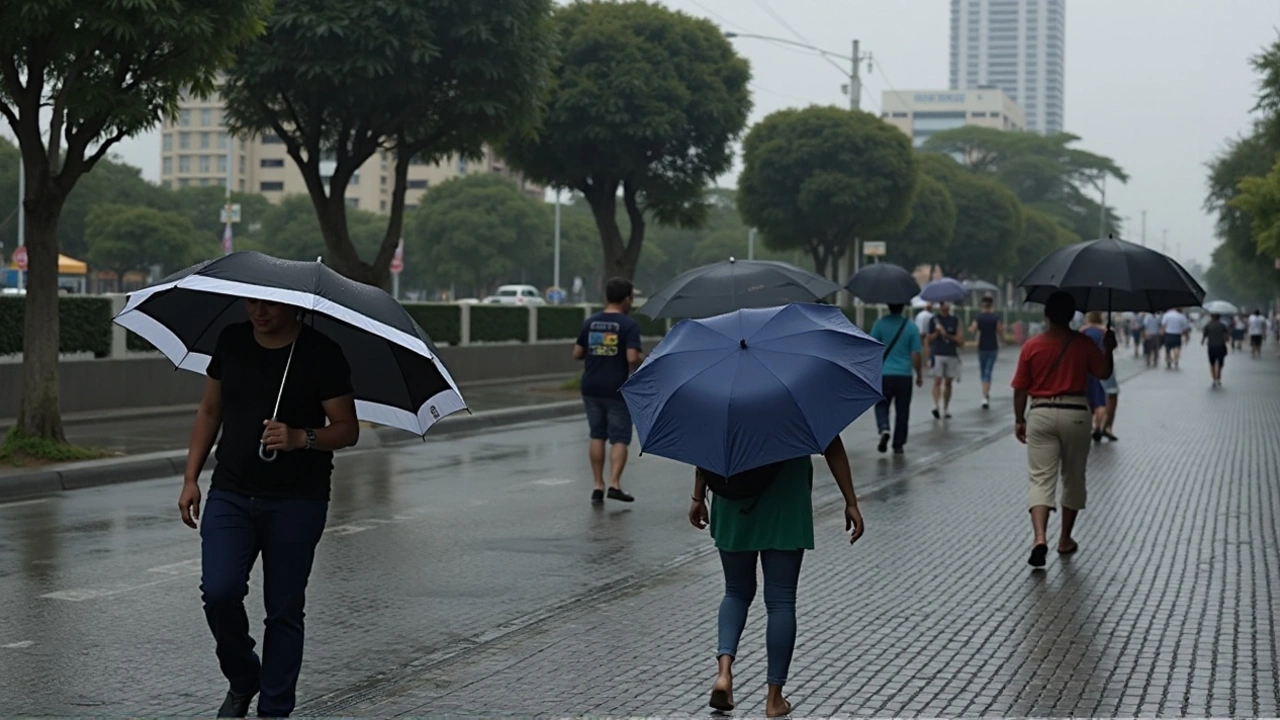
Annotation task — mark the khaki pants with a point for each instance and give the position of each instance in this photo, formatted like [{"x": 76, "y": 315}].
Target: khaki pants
[{"x": 1058, "y": 438}]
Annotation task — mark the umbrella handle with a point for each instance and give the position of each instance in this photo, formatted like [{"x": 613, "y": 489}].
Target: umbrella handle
[{"x": 265, "y": 454}]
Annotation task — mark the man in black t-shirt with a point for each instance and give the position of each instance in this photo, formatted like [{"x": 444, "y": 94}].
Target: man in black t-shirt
[
  {"x": 989, "y": 328},
  {"x": 609, "y": 346},
  {"x": 944, "y": 357},
  {"x": 275, "y": 507},
  {"x": 1216, "y": 335}
]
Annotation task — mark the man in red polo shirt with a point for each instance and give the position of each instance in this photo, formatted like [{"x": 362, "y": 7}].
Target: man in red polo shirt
[{"x": 1051, "y": 377}]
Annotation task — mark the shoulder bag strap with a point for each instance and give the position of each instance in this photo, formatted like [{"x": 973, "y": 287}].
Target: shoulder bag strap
[
  {"x": 889, "y": 348},
  {"x": 1061, "y": 354}
]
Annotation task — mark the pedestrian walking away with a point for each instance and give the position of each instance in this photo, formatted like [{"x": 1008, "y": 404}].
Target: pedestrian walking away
[
  {"x": 1175, "y": 326},
  {"x": 1135, "y": 332},
  {"x": 1051, "y": 416},
  {"x": 1216, "y": 335},
  {"x": 1239, "y": 328},
  {"x": 270, "y": 490},
  {"x": 1257, "y": 325},
  {"x": 1151, "y": 338},
  {"x": 609, "y": 346},
  {"x": 989, "y": 327},
  {"x": 768, "y": 519},
  {"x": 1103, "y": 395},
  {"x": 923, "y": 320},
  {"x": 945, "y": 342},
  {"x": 902, "y": 359}
]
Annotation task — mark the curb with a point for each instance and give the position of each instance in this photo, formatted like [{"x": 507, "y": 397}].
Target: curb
[{"x": 51, "y": 479}]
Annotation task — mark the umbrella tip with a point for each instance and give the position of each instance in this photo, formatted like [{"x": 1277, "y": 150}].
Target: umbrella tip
[{"x": 742, "y": 344}]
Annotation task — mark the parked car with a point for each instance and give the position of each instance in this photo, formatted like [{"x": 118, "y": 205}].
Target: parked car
[{"x": 516, "y": 295}]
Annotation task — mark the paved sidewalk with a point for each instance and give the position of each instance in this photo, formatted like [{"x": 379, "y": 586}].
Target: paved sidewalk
[{"x": 1168, "y": 609}]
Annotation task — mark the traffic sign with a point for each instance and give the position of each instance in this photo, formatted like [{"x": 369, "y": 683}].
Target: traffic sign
[
  {"x": 397, "y": 261},
  {"x": 555, "y": 295},
  {"x": 230, "y": 213},
  {"x": 20, "y": 258},
  {"x": 873, "y": 248}
]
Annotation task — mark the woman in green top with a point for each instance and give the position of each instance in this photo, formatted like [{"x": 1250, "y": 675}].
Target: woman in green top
[{"x": 777, "y": 527}]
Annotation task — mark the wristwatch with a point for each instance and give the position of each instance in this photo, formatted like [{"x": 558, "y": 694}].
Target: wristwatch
[{"x": 311, "y": 438}]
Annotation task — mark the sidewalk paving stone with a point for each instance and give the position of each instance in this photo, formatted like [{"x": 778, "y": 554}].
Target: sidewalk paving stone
[{"x": 1168, "y": 609}]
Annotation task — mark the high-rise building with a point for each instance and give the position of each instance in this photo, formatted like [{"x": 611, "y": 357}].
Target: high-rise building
[
  {"x": 1017, "y": 46},
  {"x": 194, "y": 151}
]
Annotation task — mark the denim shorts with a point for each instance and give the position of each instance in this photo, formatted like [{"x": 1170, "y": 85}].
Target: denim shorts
[
  {"x": 608, "y": 419},
  {"x": 987, "y": 364}
]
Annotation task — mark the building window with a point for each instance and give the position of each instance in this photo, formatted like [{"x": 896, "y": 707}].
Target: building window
[
  {"x": 241, "y": 184},
  {"x": 204, "y": 141},
  {"x": 416, "y": 185},
  {"x": 222, "y": 164},
  {"x": 353, "y": 202},
  {"x": 241, "y": 164},
  {"x": 206, "y": 117},
  {"x": 382, "y": 206},
  {"x": 355, "y": 179},
  {"x": 205, "y": 182},
  {"x": 184, "y": 163},
  {"x": 271, "y": 139},
  {"x": 222, "y": 141},
  {"x": 204, "y": 163},
  {"x": 167, "y": 166},
  {"x": 184, "y": 182},
  {"x": 902, "y": 114},
  {"x": 271, "y": 162},
  {"x": 384, "y": 179},
  {"x": 184, "y": 118},
  {"x": 184, "y": 140},
  {"x": 462, "y": 166},
  {"x": 271, "y": 186},
  {"x": 166, "y": 142}
]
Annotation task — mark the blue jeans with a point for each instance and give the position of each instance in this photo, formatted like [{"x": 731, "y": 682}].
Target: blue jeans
[
  {"x": 987, "y": 364},
  {"x": 608, "y": 419},
  {"x": 234, "y": 529},
  {"x": 781, "y": 576}
]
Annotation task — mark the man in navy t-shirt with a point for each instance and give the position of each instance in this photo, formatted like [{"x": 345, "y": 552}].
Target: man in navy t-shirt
[{"x": 609, "y": 346}]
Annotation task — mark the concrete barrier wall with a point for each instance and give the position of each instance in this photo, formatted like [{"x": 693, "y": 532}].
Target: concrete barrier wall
[{"x": 140, "y": 382}]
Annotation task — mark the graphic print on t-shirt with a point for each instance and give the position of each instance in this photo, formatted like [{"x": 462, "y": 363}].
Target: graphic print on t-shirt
[{"x": 602, "y": 339}]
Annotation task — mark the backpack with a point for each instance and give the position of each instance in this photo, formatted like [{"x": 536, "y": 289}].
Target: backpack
[{"x": 744, "y": 485}]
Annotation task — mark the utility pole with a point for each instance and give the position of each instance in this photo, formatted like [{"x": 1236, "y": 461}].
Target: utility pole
[
  {"x": 555, "y": 277},
  {"x": 1164, "y": 241},
  {"x": 751, "y": 244},
  {"x": 854, "y": 261},
  {"x": 1144, "y": 228}
]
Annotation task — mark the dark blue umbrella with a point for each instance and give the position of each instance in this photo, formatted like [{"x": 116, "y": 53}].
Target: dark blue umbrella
[
  {"x": 945, "y": 290},
  {"x": 755, "y": 386}
]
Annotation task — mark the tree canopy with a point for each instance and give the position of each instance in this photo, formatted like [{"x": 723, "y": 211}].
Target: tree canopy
[
  {"x": 817, "y": 179},
  {"x": 340, "y": 83},
  {"x": 477, "y": 232},
  {"x": 1041, "y": 235},
  {"x": 123, "y": 238},
  {"x": 926, "y": 237},
  {"x": 645, "y": 103},
  {"x": 76, "y": 77},
  {"x": 988, "y": 220}
]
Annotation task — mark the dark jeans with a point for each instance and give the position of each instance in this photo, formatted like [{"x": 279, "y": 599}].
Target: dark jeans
[
  {"x": 781, "y": 576},
  {"x": 233, "y": 530},
  {"x": 896, "y": 389}
]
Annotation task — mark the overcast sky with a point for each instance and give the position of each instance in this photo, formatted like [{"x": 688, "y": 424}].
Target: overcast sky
[{"x": 1158, "y": 85}]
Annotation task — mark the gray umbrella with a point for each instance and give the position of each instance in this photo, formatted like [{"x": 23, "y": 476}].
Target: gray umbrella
[
  {"x": 733, "y": 285},
  {"x": 979, "y": 286}
]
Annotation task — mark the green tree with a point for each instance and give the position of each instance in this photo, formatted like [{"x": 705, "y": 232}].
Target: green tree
[
  {"x": 76, "y": 77},
  {"x": 1239, "y": 273},
  {"x": 817, "y": 179},
  {"x": 1260, "y": 198},
  {"x": 477, "y": 232},
  {"x": 1041, "y": 235},
  {"x": 202, "y": 206},
  {"x": 927, "y": 235},
  {"x": 341, "y": 83},
  {"x": 646, "y": 102},
  {"x": 1267, "y": 64},
  {"x": 290, "y": 230},
  {"x": 988, "y": 220},
  {"x": 123, "y": 238}
]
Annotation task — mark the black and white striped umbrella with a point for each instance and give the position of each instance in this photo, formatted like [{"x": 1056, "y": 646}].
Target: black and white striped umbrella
[{"x": 398, "y": 378}]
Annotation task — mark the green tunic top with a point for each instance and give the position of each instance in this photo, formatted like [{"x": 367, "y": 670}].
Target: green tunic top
[{"x": 782, "y": 520}]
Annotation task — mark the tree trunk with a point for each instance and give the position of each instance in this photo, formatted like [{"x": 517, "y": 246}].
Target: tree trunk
[
  {"x": 38, "y": 414},
  {"x": 620, "y": 260}
]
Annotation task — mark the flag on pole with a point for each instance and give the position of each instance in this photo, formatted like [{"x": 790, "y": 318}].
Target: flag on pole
[{"x": 226, "y": 240}]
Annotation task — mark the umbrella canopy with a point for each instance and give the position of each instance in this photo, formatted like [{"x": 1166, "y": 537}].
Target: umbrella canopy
[
  {"x": 753, "y": 387},
  {"x": 1221, "y": 307},
  {"x": 733, "y": 284},
  {"x": 883, "y": 283},
  {"x": 944, "y": 290},
  {"x": 398, "y": 379},
  {"x": 979, "y": 286},
  {"x": 1113, "y": 275}
]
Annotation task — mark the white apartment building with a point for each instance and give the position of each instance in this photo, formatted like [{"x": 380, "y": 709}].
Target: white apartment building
[
  {"x": 194, "y": 151},
  {"x": 1017, "y": 46},
  {"x": 921, "y": 113}
]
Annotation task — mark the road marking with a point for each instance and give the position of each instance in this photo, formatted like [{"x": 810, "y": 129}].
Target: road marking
[
  {"x": 347, "y": 529},
  {"x": 82, "y": 594},
  {"x": 553, "y": 481},
  {"x": 186, "y": 567},
  {"x": 20, "y": 503},
  {"x": 19, "y": 644}
]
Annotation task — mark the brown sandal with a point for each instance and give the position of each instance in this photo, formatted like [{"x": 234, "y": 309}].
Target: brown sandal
[{"x": 785, "y": 712}]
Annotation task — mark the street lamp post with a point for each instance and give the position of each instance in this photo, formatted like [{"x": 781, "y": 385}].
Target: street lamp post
[{"x": 555, "y": 276}]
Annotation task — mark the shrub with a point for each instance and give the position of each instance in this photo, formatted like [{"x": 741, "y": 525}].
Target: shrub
[
  {"x": 84, "y": 323},
  {"x": 559, "y": 322},
  {"x": 442, "y": 321},
  {"x": 499, "y": 323}
]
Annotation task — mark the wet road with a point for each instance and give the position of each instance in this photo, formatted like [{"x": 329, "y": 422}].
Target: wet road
[{"x": 429, "y": 548}]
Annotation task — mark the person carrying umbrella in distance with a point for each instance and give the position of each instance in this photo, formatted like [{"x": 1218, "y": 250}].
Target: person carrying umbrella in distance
[
  {"x": 746, "y": 398},
  {"x": 1216, "y": 335},
  {"x": 294, "y": 355},
  {"x": 1051, "y": 416},
  {"x": 989, "y": 327},
  {"x": 944, "y": 340},
  {"x": 894, "y": 286}
]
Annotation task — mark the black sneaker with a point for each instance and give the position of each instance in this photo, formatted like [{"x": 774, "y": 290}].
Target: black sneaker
[
  {"x": 616, "y": 494},
  {"x": 597, "y": 497},
  {"x": 236, "y": 705},
  {"x": 884, "y": 442},
  {"x": 937, "y": 415},
  {"x": 899, "y": 451}
]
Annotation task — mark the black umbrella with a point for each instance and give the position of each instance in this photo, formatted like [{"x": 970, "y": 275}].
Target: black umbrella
[
  {"x": 883, "y": 283},
  {"x": 733, "y": 285},
  {"x": 1113, "y": 275},
  {"x": 398, "y": 378}
]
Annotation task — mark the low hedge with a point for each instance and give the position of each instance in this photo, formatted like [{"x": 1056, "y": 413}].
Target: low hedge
[
  {"x": 559, "y": 322},
  {"x": 499, "y": 323},
  {"x": 442, "y": 321},
  {"x": 84, "y": 324}
]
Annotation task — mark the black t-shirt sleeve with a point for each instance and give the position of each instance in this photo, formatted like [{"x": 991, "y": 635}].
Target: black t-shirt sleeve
[{"x": 335, "y": 372}]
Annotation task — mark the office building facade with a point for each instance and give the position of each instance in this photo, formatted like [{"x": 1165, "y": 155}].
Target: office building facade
[
  {"x": 1017, "y": 46},
  {"x": 922, "y": 113}
]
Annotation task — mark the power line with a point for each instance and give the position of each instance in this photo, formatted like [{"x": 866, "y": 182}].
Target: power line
[{"x": 764, "y": 5}]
